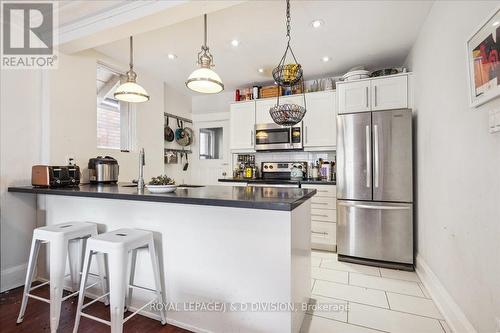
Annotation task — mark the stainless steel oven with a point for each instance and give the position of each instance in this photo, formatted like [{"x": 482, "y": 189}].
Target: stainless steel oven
[{"x": 276, "y": 137}]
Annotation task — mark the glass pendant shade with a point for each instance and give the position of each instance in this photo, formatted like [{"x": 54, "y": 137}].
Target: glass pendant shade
[
  {"x": 205, "y": 80},
  {"x": 131, "y": 92}
]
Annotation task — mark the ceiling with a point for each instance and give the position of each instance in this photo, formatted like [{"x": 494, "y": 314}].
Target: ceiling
[{"x": 377, "y": 34}]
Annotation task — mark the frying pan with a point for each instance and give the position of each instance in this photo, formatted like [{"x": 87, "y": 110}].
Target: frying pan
[
  {"x": 181, "y": 136},
  {"x": 168, "y": 133}
]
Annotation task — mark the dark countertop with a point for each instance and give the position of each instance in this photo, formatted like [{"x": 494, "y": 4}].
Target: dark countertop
[
  {"x": 285, "y": 199},
  {"x": 278, "y": 181}
]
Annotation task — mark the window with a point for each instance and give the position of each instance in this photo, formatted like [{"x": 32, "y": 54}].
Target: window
[
  {"x": 210, "y": 143},
  {"x": 114, "y": 118}
]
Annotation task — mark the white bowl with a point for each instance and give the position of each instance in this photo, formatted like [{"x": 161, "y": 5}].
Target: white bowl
[{"x": 161, "y": 188}]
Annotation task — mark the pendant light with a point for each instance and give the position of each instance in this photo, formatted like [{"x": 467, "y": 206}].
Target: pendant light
[
  {"x": 288, "y": 75},
  {"x": 130, "y": 91},
  {"x": 204, "y": 79}
]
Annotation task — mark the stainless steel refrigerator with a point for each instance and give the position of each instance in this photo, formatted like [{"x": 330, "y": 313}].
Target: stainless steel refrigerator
[{"x": 375, "y": 188}]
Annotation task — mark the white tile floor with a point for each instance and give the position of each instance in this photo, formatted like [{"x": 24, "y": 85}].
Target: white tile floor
[{"x": 364, "y": 299}]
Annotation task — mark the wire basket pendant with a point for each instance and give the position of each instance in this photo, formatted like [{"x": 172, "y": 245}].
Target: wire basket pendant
[
  {"x": 287, "y": 75},
  {"x": 288, "y": 114}
]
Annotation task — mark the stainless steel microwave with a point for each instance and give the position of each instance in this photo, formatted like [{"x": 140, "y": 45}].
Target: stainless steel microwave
[{"x": 276, "y": 137}]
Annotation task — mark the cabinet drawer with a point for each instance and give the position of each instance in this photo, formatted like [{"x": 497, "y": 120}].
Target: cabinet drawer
[
  {"x": 323, "y": 232},
  {"x": 323, "y": 203},
  {"x": 324, "y": 215},
  {"x": 323, "y": 190}
]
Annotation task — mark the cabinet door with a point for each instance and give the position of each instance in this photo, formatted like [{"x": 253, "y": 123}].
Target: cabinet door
[
  {"x": 390, "y": 93},
  {"x": 354, "y": 96},
  {"x": 242, "y": 126},
  {"x": 262, "y": 107},
  {"x": 320, "y": 126}
]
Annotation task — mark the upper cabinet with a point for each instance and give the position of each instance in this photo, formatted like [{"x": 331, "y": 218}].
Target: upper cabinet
[
  {"x": 383, "y": 93},
  {"x": 354, "y": 96},
  {"x": 389, "y": 93},
  {"x": 319, "y": 123},
  {"x": 262, "y": 107},
  {"x": 242, "y": 126},
  {"x": 320, "y": 130}
]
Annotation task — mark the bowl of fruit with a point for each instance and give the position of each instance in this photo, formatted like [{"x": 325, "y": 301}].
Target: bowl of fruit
[{"x": 161, "y": 184}]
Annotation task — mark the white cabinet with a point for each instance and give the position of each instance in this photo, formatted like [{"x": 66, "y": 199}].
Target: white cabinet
[
  {"x": 389, "y": 93},
  {"x": 383, "y": 93},
  {"x": 323, "y": 217},
  {"x": 262, "y": 107},
  {"x": 320, "y": 129},
  {"x": 242, "y": 126},
  {"x": 354, "y": 96}
]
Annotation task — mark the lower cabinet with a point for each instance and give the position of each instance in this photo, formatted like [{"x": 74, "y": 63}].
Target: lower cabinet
[{"x": 323, "y": 217}]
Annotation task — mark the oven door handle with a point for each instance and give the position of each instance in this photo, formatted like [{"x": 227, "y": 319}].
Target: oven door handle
[{"x": 273, "y": 185}]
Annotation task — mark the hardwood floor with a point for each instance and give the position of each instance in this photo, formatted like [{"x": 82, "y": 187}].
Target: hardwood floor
[{"x": 36, "y": 318}]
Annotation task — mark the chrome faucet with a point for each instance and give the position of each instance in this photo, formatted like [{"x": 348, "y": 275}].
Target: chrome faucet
[{"x": 142, "y": 162}]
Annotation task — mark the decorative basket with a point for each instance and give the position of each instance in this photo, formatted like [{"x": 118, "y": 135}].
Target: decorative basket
[
  {"x": 287, "y": 114},
  {"x": 287, "y": 75}
]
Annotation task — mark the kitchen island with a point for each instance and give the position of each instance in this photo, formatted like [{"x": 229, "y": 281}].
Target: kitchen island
[{"x": 232, "y": 259}]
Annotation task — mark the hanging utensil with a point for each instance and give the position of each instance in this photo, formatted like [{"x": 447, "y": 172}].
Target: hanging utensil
[
  {"x": 168, "y": 132},
  {"x": 181, "y": 136},
  {"x": 190, "y": 133},
  {"x": 187, "y": 163}
]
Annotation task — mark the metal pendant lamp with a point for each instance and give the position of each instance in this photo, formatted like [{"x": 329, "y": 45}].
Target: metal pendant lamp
[
  {"x": 288, "y": 74},
  {"x": 204, "y": 79},
  {"x": 130, "y": 91}
]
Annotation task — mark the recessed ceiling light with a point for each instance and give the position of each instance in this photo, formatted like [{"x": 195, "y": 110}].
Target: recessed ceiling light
[
  {"x": 261, "y": 70},
  {"x": 235, "y": 42},
  {"x": 496, "y": 23},
  {"x": 325, "y": 59},
  {"x": 171, "y": 56},
  {"x": 317, "y": 23}
]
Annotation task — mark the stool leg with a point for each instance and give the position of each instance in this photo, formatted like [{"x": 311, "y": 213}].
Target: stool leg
[
  {"x": 58, "y": 255},
  {"x": 156, "y": 272},
  {"x": 35, "y": 247},
  {"x": 83, "y": 283},
  {"x": 117, "y": 263},
  {"x": 76, "y": 249},
  {"x": 131, "y": 265},
  {"x": 101, "y": 267}
]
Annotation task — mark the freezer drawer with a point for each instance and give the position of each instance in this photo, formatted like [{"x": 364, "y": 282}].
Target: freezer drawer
[{"x": 375, "y": 230}]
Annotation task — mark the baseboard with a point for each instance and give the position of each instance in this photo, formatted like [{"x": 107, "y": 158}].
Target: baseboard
[
  {"x": 450, "y": 310},
  {"x": 13, "y": 277}
]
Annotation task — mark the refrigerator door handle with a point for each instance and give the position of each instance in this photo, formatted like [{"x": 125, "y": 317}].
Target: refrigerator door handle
[
  {"x": 378, "y": 207},
  {"x": 376, "y": 161},
  {"x": 368, "y": 157}
]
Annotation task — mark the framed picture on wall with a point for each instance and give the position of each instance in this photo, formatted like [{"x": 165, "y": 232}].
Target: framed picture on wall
[{"x": 483, "y": 58}]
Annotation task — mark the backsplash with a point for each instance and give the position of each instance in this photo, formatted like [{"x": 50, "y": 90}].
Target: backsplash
[{"x": 296, "y": 156}]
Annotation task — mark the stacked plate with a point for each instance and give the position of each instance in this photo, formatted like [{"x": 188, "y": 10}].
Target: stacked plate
[{"x": 356, "y": 75}]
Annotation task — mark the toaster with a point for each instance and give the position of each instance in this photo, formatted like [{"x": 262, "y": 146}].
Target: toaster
[{"x": 55, "y": 176}]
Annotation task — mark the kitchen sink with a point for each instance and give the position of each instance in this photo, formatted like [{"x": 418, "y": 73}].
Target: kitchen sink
[
  {"x": 129, "y": 185},
  {"x": 191, "y": 186}
]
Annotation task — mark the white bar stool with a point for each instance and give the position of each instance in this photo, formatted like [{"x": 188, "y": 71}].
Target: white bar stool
[
  {"x": 119, "y": 245},
  {"x": 61, "y": 239}
]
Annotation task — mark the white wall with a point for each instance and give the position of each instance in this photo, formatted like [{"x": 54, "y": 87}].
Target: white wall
[
  {"x": 73, "y": 117},
  {"x": 458, "y": 165},
  {"x": 20, "y": 137}
]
